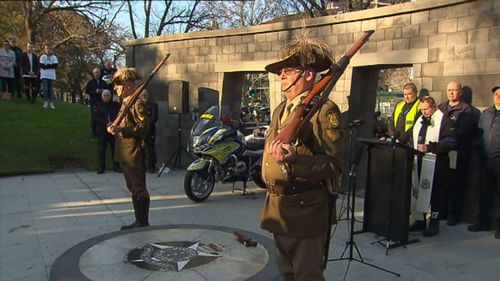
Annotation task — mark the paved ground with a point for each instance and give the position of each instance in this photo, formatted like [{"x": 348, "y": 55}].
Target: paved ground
[{"x": 42, "y": 216}]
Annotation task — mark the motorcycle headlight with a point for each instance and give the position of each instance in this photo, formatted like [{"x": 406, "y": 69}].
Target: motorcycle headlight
[{"x": 196, "y": 141}]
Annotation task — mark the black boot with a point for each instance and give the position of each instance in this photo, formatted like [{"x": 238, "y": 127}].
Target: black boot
[
  {"x": 433, "y": 228},
  {"x": 417, "y": 225},
  {"x": 143, "y": 212},
  {"x": 135, "y": 224}
]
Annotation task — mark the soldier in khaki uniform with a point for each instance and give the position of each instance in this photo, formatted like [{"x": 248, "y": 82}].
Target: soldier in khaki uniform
[
  {"x": 129, "y": 148},
  {"x": 300, "y": 177}
]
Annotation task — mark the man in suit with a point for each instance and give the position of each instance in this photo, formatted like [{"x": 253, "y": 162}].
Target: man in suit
[
  {"x": 301, "y": 177},
  {"x": 130, "y": 134},
  {"x": 30, "y": 71},
  {"x": 94, "y": 88},
  {"x": 105, "y": 113}
]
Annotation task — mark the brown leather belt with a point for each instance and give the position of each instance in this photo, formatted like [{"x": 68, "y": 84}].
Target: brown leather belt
[{"x": 292, "y": 188}]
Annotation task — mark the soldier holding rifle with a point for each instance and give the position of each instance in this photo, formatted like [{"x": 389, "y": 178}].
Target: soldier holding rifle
[
  {"x": 297, "y": 206},
  {"x": 130, "y": 133}
]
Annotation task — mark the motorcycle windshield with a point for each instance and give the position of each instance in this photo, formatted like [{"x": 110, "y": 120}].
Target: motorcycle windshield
[{"x": 207, "y": 120}]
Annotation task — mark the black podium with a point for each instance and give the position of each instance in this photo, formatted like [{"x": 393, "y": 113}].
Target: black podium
[{"x": 388, "y": 189}]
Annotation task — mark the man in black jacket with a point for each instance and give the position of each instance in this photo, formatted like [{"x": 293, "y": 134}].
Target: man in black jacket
[
  {"x": 489, "y": 208},
  {"x": 104, "y": 113},
  {"x": 465, "y": 123},
  {"x": 94, "y": 88}
]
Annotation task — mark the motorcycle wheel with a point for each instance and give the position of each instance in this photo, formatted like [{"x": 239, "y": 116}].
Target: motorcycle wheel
[
  {"x": 257, "y": 179},
  {"x": 199, "y": 184}
]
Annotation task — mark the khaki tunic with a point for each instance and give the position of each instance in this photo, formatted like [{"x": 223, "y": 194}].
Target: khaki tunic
[
  {"x": 318, "y": 159},
  {"x": 130, "y": 141}
]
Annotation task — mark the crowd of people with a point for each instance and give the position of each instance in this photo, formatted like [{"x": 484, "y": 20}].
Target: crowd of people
[
  {"x": 24, "y": 72},
  {"x": 453, "y": 131}
]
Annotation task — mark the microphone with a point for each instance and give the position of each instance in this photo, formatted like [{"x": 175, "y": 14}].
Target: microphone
[{"x": 356, "y": 123}]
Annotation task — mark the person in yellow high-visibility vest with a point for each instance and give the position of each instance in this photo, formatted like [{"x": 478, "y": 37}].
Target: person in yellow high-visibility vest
[{"x": 405, "y": 114}]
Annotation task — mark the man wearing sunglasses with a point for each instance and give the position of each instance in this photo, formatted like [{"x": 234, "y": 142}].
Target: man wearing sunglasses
[{"x": 300, "y": 176}]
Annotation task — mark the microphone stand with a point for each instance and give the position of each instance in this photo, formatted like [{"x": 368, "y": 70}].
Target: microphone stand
[{"x": 351, "y": 201}]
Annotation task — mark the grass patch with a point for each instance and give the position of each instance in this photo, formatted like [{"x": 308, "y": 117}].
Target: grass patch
[{"x": 34, "y": 139}]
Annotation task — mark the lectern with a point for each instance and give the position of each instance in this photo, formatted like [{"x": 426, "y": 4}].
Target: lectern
[{"x": 388, "y": 189}]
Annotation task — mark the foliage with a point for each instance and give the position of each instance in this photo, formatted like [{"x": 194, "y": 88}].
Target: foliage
[
  {"x": 233, "y": 14},
  {"x": 36, "y": 139}
]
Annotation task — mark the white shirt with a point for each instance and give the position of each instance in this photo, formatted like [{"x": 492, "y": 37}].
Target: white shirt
[{"x": 51, "y": 72}]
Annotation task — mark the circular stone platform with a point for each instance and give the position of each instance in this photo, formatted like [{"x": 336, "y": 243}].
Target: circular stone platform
[{"x": 173, "y": 252}]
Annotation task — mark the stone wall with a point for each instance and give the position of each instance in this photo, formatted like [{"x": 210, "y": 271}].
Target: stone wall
[{"x": 441, "y": 39}]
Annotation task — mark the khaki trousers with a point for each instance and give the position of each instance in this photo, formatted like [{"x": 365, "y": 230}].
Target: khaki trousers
[
  {"x": 300, "y": 258},
  {"x": 135, "y": 178}
]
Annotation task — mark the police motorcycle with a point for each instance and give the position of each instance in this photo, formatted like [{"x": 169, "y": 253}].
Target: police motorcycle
[{"x": 224, "y": 155}]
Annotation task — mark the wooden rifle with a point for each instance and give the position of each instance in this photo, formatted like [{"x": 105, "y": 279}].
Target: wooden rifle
[
  {"x": 302, "y": 114},
  {"x": 137, "y": 92}
]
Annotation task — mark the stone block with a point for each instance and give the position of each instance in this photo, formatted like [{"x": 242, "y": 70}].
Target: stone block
[
  {"x": 332, "y": 40},
  {"x": 193, "y": 51},
  {"x": 212, "y": 42},
  {"x": 456, "y": 38},
  {"x": 417, "y": 69},
  {"x": 200, "y": 59},
  {"x": 458, "y": 11},
  {"x": 272, "y": 55},
  {"x": 234, "y": 57},
  {"x": 419, "y": 42},
  {"x": 469, "y": 22},
  {"x": 202, "y": 67},
  {"x": 433, "y": 54},
  {"x": 284, "y": 35},
  {"x": 448, "y": 26},
  {"x": 273, "y": 36},
  {"x": 339, "y": 28},
  {"x": 378, "y": 35},
  {"x": 235, "y": 40},
  {"x": 401, "y": 44},
  {"x": 492, "y": 66},
  {"x": 410, "y": 31},
  {"x": 483, "y": 6},
  {"x": 344, "y": 38},
  {"x": 474, "y": 67},
  {"x": 324, "y": 30},
  {"x": 354, "y": 26},
  {"x": 250, "y": 38},
  {"x": 429, "y": 28},
  {"x": 385, "y": 22},
  {"x": 204, "y": 51},
  {"x": 247, "y": 56},
  {"x": 487, "y": 50},
  {"x": 438, "y": 14},
  {"x": 402, "y": 20},
  {"x": 230, "y": 49},
  {"x": 488, "y": 19},
  {"x": 476, "y": 36},
  {"x": 259, "y": 55},
  {"x": 369, "y": 47},
  {"x": 453, "y": 68},
  {"x": 369, "y": 25},
  {"x": 384, "y": 46},
  {"x": 446, "y": 53},
  {"x": 251, "y": 47},
  {"x": 463, "y": 52},
  {"x": 277, "y": 45},
  {"x": 426, "y": 83},
  {"x": 392, "y": 33},
  {"x": 261, "y": 37},
  {"x": 200, "y": 43},
  {"x": 419, "y": 17},
  {"x": 263, "y": 47},
  {"x": 241, "y": 48},
  {"x": 432, "y": 69},
  {"x": 437, "y": 40},
  {"x": 495, "y": 32}
]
